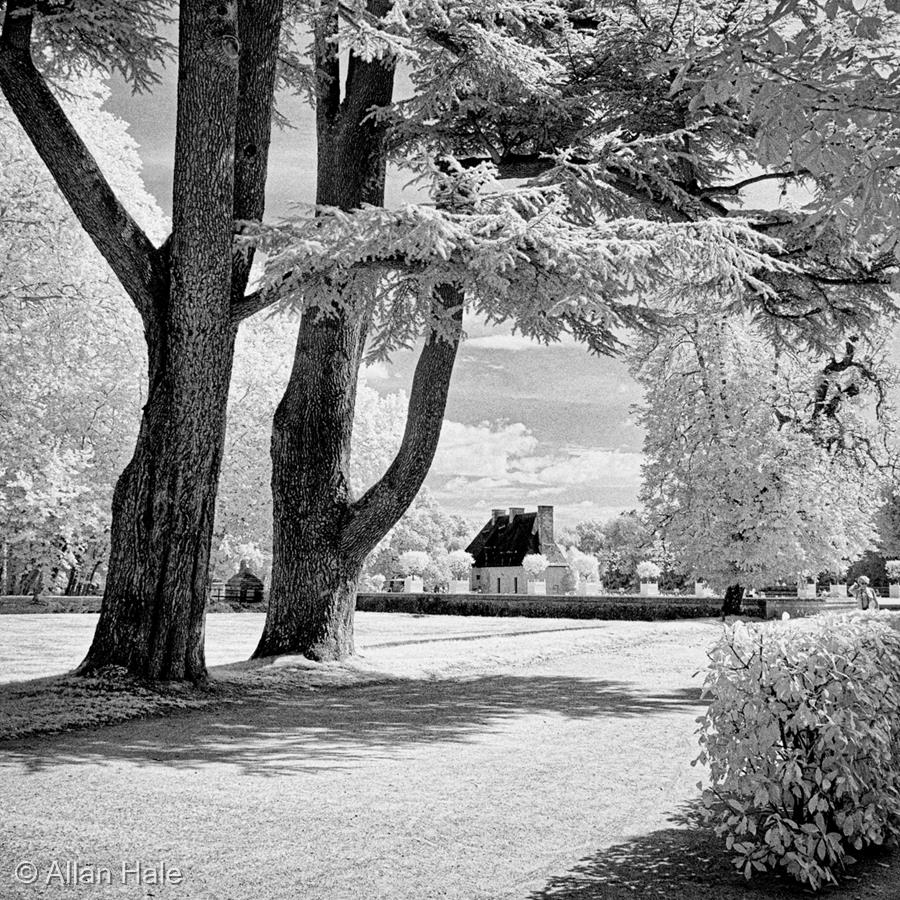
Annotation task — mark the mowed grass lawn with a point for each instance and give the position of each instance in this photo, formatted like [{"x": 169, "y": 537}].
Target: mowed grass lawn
[
  {"x": 35, "y": 646},
  {"x": 473, "y": 759}
]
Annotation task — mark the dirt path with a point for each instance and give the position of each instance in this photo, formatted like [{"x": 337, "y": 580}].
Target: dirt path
[{"x": 521, "y": 766}]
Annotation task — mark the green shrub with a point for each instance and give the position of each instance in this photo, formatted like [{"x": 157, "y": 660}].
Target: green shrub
[{"x": 802, "y": 740}]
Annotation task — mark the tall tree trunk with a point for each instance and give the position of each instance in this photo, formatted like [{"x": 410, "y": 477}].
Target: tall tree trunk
[
  {"x": 313, "y": 587},
  {"x": 190, "y": 296},
  {"x": 321, "y": 534},
  {"x": 151, "y": 619},
  {"x": 71, "y": 581},
  {"x": 312, "y": 584},
  {"x": 4, "y": 569}
]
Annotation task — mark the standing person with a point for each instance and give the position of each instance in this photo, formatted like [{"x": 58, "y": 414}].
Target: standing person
[{"x": 864, "y": 593}]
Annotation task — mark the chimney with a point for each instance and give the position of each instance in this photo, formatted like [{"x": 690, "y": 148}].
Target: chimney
[
  {"x": 496, "y": 513},
  {"x": 516, "y": 511},
  {"x": 545, "y": 526}
]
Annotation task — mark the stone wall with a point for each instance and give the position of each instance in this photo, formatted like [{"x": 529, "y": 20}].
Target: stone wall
[
  {"x": 796, "y": 607},
  {"x": 511, "y": 576}
]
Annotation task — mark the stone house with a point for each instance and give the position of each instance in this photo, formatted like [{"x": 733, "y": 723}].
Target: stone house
[{"x": 505, "y": 541}]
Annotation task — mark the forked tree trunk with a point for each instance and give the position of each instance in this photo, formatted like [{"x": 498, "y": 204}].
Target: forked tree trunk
[
  {"x": 314, "y": 572},
  {"x": 321, "y": 534},
  {"x": 313, "y": 585}
]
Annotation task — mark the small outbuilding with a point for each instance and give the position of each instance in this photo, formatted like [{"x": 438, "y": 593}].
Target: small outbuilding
[
  {"x": 506, "y": 539},
  {"x": 244, "y": 586}
]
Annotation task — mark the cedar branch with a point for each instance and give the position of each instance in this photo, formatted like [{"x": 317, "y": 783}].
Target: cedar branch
[{"x": 120, "y": 240}]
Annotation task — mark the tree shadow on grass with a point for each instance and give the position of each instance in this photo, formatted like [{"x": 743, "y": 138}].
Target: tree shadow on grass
[
  {"x": 689, "y": 862},
  {"x": 283, "y": 731}
]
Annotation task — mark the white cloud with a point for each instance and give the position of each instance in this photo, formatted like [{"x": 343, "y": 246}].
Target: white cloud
[
  {"x": 515, "y": 343},
  {"x": 608, "y": 467},
  {"x": 494, "y": 465},
  {"x": 376, "y": 371},
  {"x": 481, "y": 451}
]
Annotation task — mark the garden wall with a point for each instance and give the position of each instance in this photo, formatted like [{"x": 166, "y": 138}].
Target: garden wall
[{"x": 795, "y": 607}]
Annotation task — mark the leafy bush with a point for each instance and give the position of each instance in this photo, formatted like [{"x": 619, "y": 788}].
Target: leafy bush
[
  {"x": 413, "y": 562},
  {"x": 460, "y": 564},
  {"x": 436, "y": 573},
  {"x": 585, "y": 567},
  {"x": 802, "y": 739},
  {"x": 648, "y": 570},
  {"x": 535, "y": 564}
]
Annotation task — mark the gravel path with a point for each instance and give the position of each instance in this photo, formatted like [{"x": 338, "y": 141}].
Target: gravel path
[{"x": 531, "y": 765}]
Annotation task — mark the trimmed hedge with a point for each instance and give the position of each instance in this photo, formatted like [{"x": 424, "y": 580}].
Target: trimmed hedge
[
  {"x": 533, "y": 606},
  {"x": 802, "y": 739},
  {"x": 25, "y": 604}
]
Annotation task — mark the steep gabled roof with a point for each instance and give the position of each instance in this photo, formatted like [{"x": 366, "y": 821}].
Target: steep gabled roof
[{"x": 501, "y": 543}]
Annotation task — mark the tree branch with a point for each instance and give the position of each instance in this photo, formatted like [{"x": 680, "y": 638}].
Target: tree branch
[
  {"x": 117, "y": 236},
  {"x": 530, "y": 165},
  {"x": 327, "y": 66},
  {"x": 259, "y": 31},
  {"x": 267, "y": 296},
  {"x": 732, "y": 189},
  {"x": 376, "y": 512}
]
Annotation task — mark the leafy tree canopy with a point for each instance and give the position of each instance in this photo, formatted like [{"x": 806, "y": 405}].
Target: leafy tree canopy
[{"x": 760, "y": 466}]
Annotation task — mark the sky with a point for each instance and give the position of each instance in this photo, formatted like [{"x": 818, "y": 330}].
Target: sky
[{"x": 526, "y": 423}]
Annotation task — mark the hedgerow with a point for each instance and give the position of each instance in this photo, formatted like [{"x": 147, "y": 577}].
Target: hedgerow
[{"x": 802, "y": 740}]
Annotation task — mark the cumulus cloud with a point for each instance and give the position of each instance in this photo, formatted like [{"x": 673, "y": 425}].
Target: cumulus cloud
[
  {"x": 479, "y": 451},
  {"x": 577, "y": 466},
  {"x": 493, "y": 465}
]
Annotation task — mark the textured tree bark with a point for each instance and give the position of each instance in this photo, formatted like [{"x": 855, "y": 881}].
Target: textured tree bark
[
  {"x": 152, "y": 617},
  {"x": 310, "y": 494},
  {"x": 313, "y": 587},
  {"x": 321, "y": 536},
  {"x": 189, "y": 294}
]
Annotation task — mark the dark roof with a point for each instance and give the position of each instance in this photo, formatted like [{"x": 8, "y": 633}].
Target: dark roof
[
  {"x": 244, "y": 577},
  {"x": 500, "y": 543}
]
